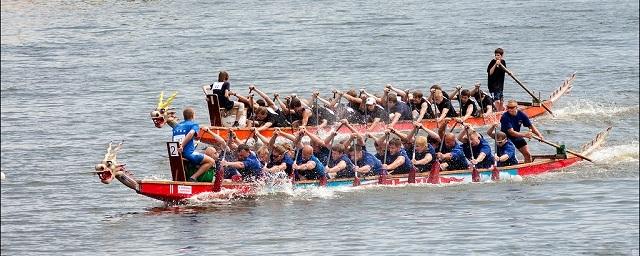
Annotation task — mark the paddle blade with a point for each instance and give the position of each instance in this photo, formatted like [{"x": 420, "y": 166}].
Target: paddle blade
[
  {"x": 434, "y": 175},
  {"x": 356, "y": 181},
  {"x": 412, "y": 175},
  {"x": 475, "y": 175},
  {"x": 495, "y": 173},
  {"x": 323, "y": 181},
  {"x": 217, "y": 184}
]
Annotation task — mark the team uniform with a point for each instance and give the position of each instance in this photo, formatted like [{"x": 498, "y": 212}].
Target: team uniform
[
  {"x": 446, "y": 103},
  {"x": 402, "y": 108},
  {"x": 418, "y": 107},
  {"x": 220, "y": 88},
  {"x": 189, "y": 148},
  {"x": 314, "y": 174},
  {"x": 370, "y": 160},
  {"x": 482, "y": 147},
  {"x": 508, "y": 121},
  {"x": 458, "y": 160},
  {"x": 509, "y": 149},
  {"x": 495, "y": 81},
  {"x": 405, "y": 167},
  {"x": 348, "y": 171}
]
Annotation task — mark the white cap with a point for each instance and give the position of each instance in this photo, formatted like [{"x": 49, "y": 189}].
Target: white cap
[{"x": 370, "y": 101}]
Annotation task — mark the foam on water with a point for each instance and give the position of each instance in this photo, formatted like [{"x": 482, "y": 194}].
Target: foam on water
[
  {"x": 584, "y": 108},
  {"x": 617, "y": 154}
]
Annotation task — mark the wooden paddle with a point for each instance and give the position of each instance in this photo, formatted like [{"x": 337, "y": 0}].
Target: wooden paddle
[
  {"x": 475, "y": 176},
  {"x": 558, "y": 147},
  {"x": 356, "y": 179},
  {"x": 524, "y": 87}
]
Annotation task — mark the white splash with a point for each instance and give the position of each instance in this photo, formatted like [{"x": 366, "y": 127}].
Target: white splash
[
  {"x": 617, "y": 154},
  {"x": 582, "y": 108},
  {"x": 2, "y": 177}
]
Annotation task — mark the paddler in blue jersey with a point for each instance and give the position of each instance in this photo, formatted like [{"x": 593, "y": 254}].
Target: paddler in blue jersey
[
  {"x": 472, "y": 142},
  {"x": 451, "y": 157},
  {"x": 307, "y": 165},
  {"x": 506, "y": 154},
  {"x": 340, "y": 165},
  {"x": 247, "y": 164},
  {"x": 511, "y": 122},
  {"x": 185, "y": 133},
  {"x": 397, "y": 160}
]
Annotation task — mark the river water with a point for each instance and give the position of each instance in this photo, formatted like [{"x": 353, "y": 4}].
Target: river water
[{"x": 78, "y": 74}]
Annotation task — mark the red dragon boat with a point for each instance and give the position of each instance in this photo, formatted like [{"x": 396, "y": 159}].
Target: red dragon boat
[{"x": 178, "y": 190}]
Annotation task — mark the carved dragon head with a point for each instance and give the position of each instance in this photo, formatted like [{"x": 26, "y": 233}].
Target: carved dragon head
[
  {"x": 109, "y": 167},
  {"x": 163, "y": 114}
]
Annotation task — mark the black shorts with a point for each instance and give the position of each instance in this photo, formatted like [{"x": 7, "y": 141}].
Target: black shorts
[{"x": 519, "y": 142}]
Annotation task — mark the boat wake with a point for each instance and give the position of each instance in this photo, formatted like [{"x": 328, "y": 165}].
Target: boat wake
[
  {"x": 617, "y": 154},
  {"x": 583, "y": 108}
]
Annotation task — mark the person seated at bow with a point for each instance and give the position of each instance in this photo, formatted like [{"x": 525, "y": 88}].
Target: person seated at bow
[
  {"x": 472, "y": 142},
  {"x": 340, "y": 165},
  {"x": 397, "y": 160},
  {"x": 451, "y": 156},
  {"x": 398, "y": 110},
  {"x": 506, "y": 152},
  {"x": 185, "y": 134},
  {"x": 307, "y": 165},
  {"x": 246, "y": 165},
  {"x": 222, "y": 89}
]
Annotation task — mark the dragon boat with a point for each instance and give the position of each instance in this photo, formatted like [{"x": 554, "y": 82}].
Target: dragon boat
[
  {"x": 163, "y": 115},
  {"x": 177, "y": 190}
]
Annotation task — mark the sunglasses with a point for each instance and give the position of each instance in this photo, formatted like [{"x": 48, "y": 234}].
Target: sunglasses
[{"x": 511, "y": 107}]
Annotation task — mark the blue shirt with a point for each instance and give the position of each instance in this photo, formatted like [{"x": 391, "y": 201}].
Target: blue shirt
[
  {"x": 507, "y": 121},
  {"x": 314, "y": 174},
  {"x": 370, "y": 160},
  {"x": 482, "y": 147},
  {"x": 457, "y": 161},
  {"x": 181, "y": 130},
  {"x": 510, "y": 150},
  {"x": 348, "y": 171},
  {"x": 403, "y": 109},
  {"x": 252, "y": 166},
  {"x": 421, "y": 155},
  {"x": 403, "y": 168}
]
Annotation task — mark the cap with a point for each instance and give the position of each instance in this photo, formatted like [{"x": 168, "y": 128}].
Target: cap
[{"x": 370, "y": 101}]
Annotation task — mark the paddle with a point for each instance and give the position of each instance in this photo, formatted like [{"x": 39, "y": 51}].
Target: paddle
[
  {"x": 331, "y": 146},
  {"x": 558, "y": 147},
  {"x": 217, "y": 184},
  {"x": 434, "y": 173},
  {"x": 495, "y": 173},
  {"x": 356, "y": 179},
  {"x": 475, "y": 176},
  {"x": 524, "y": 87},
  {"x": 383, "y": 174},
  {"x": 412, "y": 173}
]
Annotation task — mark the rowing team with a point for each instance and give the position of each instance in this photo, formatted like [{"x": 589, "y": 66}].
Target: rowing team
[
  {"x": 392, "y": 106},
  {"x": 324, "y": 158}
]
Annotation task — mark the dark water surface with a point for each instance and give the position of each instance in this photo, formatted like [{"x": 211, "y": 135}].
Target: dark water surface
[{"x": 77, "y": 74}]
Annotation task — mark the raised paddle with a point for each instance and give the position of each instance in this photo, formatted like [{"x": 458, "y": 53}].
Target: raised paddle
[
  {"x": 524, "y": 87},
  {"x": 331, "y": 146},
  {"x": 559, "y": 147}
]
